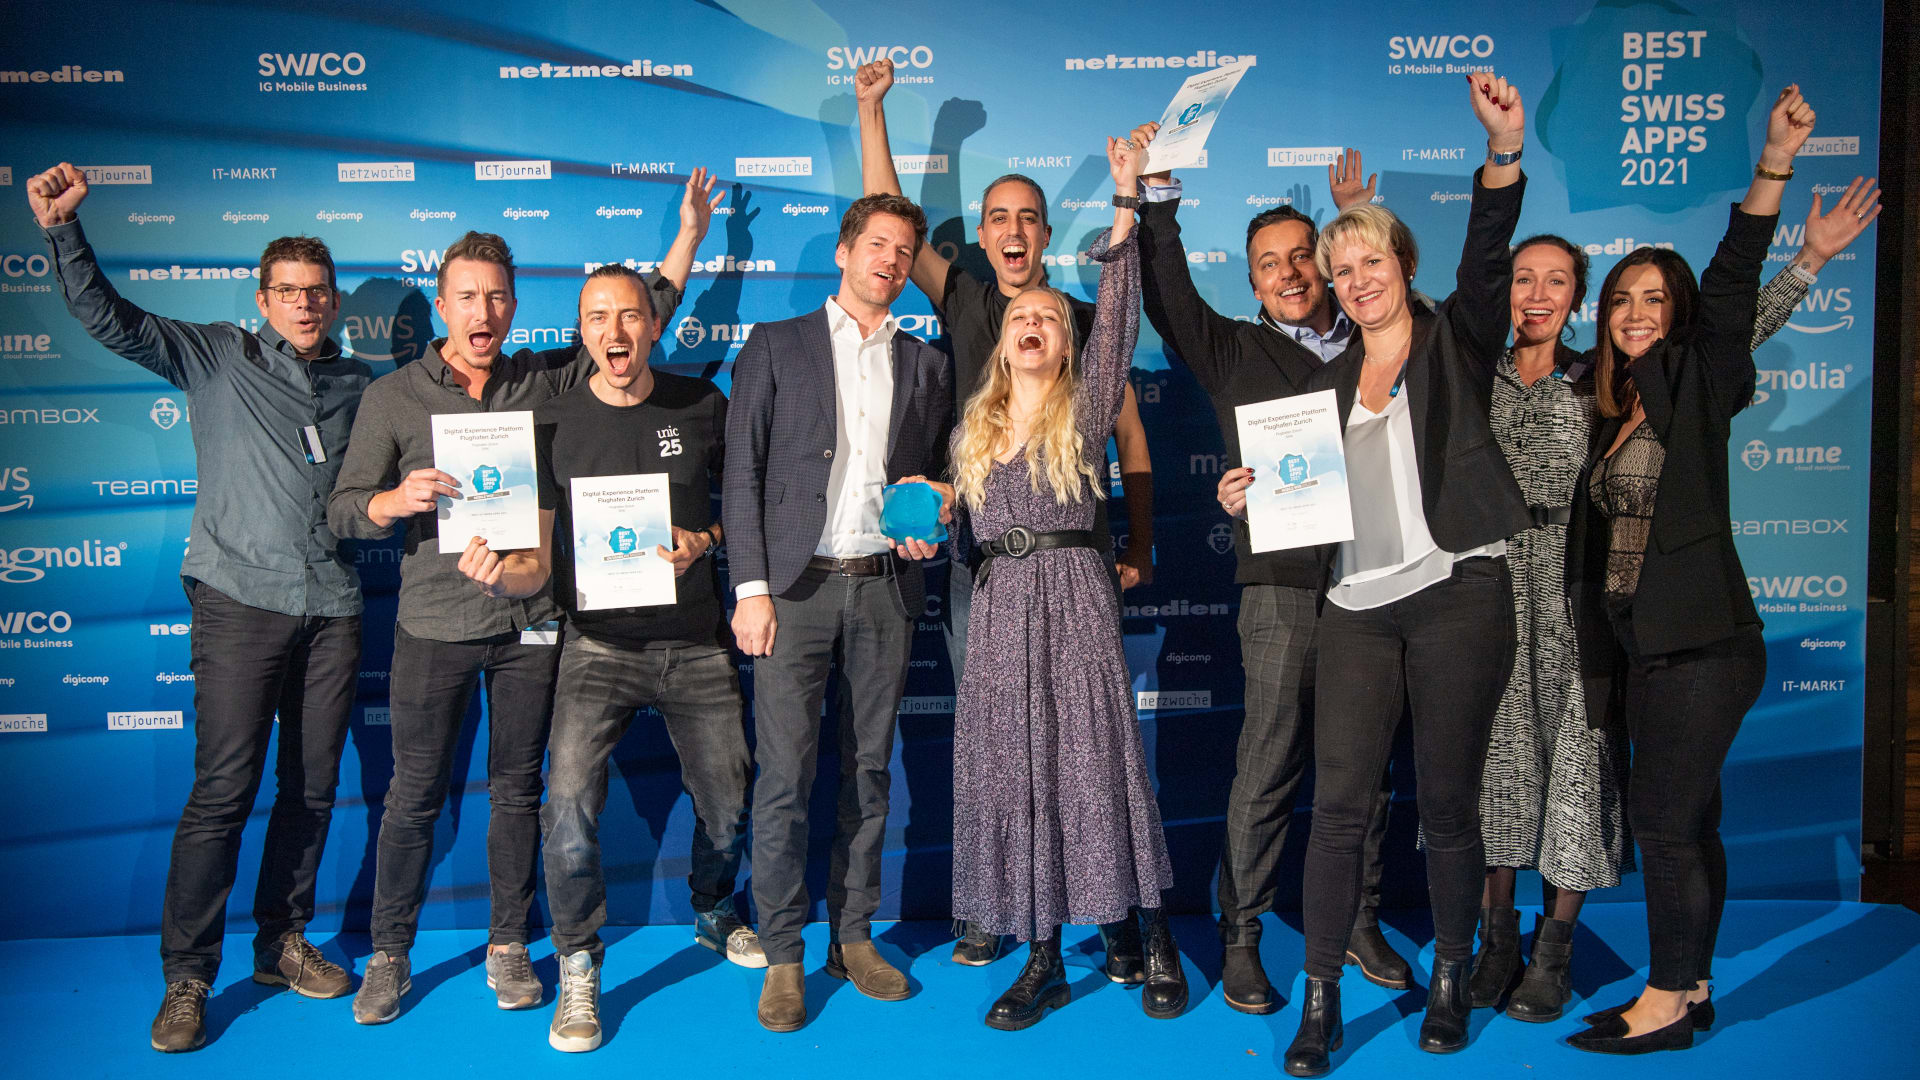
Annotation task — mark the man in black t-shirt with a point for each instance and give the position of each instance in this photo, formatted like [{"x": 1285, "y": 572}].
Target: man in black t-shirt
[{"x": 630, "y": 419}]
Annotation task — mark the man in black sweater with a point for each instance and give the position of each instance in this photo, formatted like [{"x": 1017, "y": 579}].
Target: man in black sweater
[{"x": 1296, "y": 328}]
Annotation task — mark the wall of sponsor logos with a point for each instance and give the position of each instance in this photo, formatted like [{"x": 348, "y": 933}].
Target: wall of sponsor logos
[{"x": 208, "y": 129}]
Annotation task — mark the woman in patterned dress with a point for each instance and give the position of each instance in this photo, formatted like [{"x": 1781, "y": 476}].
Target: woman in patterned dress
[
  {"x": 1054, "y": 815},
  {"x": 1552, "y": 795}
]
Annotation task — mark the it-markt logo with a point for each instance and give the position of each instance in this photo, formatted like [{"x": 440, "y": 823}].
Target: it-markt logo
[
  {"x": 15, "y": 493},
  {"x": 166, "y": 413},
  {"x": 25, "y": 565}
]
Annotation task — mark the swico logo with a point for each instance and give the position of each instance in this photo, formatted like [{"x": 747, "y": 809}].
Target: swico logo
[
  {"x": 1439, "y": 47},
  {"x": 849, "y": 57},
  {"x": 33, "y": 265},
  {"x": 25, "y": 565},
  {"x": 1815, "y": 376},
  {"x": 1811, "y": 586},
  {"x": 15, "y": 486},
  {"x": 1758, "y": 455},
  {"x": 308, "y": 65},
  {"x": 35, "y": 622},
  {"x": 1821, "y": 305}
]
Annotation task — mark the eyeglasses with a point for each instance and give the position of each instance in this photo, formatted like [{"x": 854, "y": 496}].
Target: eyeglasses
[{"x": 290, "y": 294}]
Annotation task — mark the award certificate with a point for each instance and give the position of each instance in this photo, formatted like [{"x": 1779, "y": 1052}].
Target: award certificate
[
  {"x": 1189, "y": 119},
  {"x": 1299, "y": 491},
  {"x": 491, "y": 454},
  {"x": 617, "y": 521}
]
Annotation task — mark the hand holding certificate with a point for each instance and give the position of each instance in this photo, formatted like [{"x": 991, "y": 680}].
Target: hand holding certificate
[
  {"x": 1189, "y": 118},
  {"x": 491, "y": 455},
  {"x": 619, "y": 522},
  {"x": 1299, "y": 492}
]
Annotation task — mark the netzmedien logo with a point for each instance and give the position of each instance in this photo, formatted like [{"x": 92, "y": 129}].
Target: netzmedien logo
[
  {"x": 376, "y": 717},
  {"x": 369, "y": 172},
  {"x": 15, "y": 723},
  {"x": 773, "y": 166},
  {"x": 69, "y": 73},
  {"x": 117, "y": 174},
  {"x": 146, "y": 721},
  {"x": 513, "y": 170},
  {"x": 634, "y": 69},
  {"x": 1206, "y": 58},
  {"x": 176, "y": 272},
  {"x": 719, "y": 264},
  {"x": 1174, "y": 609},
  {"x": 1282, "y": 157}
]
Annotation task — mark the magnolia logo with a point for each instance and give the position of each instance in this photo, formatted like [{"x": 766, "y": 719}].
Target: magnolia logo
[
  {"x": 331, "y": 216},
  {"x": 433, "y": 215},
  {"x": 165, "y": 413},
  {"x": 1815, "y": 376},
  {"x": 22, "y": 566},
  {"x": 235, "y": 217},
  {"x": 1220, "y": 538},
  {"x": 150, "y": 219}
]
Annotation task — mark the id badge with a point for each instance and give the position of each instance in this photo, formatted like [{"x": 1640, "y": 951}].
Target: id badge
[
  {"x": 546, "y": 633},
  {"x": 310, "y": 439}
]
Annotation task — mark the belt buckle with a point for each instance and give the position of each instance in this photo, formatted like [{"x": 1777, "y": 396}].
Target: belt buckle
[{"x": 1019, "y": 541}]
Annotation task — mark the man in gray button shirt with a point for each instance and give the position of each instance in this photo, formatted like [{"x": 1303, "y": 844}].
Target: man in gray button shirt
[
  {"x": 449, "y": 629},
  {"x": 276, "y": 608}
]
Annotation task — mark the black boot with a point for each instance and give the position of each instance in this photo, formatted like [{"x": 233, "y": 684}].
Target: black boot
[
  {"x": 1444, "y": 1029},
  {"x": 1166, "y": 991},
  {"x": 1544, "y": 993},
  {"x": 1125, "y": 963},
  {"x": 1042, "y": 985},
  {"x": 1496, "y": 967},
  {"x": 976, "y": 947},
  {"x": 1243, "y": 982},
  {"x": 1320, "y": 1030},
  {"x": 1368, "y": 950}
]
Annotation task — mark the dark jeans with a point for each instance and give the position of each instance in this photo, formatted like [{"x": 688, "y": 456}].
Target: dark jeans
[
  {"x": 1445, "y": 651},
  {"x": 432, "y": 686},
  {"x": 1277, "y": 652},
  {"x": 1683, "y": 711},
  {"x": 248, "y": 665},
  {"x": 697, "y": 690},
  {"x": 857, "y": 623}
]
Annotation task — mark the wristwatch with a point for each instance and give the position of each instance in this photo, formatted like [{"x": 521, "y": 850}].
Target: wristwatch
[
  {"x": 1127, "y": 202},
  {"x": 1502, "y": 159}
]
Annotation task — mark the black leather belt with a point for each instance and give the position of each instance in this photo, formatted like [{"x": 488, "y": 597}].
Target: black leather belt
[
  {"x": 1550, "y": 515},
  {"x": 1020, "y": 542},
  {"x": 856, "y": 566}
]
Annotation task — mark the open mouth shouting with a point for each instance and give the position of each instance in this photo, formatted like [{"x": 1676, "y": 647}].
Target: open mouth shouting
[
  {"x": 619, "y": 360},
  {"x": 1015, "y": 255},
  {"x": 480, "y": 342},
  {"x": 1537, "y": 316},
  {"x": 1030, "y": 342}
]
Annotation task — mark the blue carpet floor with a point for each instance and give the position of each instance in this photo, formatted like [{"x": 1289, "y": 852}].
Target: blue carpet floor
[{"x": 1789, "y": 976}]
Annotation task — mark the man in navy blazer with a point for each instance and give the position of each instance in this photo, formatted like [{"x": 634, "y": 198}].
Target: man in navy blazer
[{"x": 827, "y": 408}]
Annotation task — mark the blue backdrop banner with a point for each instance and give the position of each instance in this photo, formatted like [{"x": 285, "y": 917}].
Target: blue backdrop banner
[{"x": 207, "y": 129}]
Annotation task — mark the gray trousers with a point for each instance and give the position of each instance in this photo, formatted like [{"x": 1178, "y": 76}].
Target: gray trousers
[
  {"x": 1277, "y": 630},
  {"x": 823, "y": 619}
]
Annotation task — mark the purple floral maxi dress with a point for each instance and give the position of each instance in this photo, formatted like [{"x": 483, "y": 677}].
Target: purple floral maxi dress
[{"x": 1054, "y": 817}]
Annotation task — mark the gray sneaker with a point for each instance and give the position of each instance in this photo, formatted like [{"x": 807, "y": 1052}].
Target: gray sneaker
[
  {"x": 386, "y": 979},
  {"x": 723, "y": 932},
  {"x": 510, "y": 976},
  {"x": 294, "y": 963},
  {"x": 576, "y": 1015},
  {"x": 181, "y": 1023}
]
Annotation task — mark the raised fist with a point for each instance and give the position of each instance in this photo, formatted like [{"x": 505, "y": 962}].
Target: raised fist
[
  {"x": 872, "y": 81},
  {"x": 56, "y": 194}
]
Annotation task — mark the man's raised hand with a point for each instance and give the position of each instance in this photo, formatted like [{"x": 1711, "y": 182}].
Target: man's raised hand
[
  {"x": 55, "y": 195},
  {"x": 872, "y": 82}
]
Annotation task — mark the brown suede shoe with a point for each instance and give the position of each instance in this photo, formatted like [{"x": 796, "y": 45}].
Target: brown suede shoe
[
  {"x": 871, "y": 975},
  {"x": 783, "y": 998}
]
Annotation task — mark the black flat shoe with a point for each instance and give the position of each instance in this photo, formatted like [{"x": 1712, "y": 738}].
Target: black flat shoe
[
  {"x": 1042, "y": 985},
  {"x": 1243, "y": 982},
  {"x": 1675, "y": 1036},
  {"x": 1444, "y": 1029},
  {"x": 1368, "y": 950},
  {"x": 1165, "y": 994},
  {"x": 976, "y": 947},
  {"x": 1608, "y": 1022},
  {"x": 1126, "y": 959},
  {"x": 1320, "y": 1034}
]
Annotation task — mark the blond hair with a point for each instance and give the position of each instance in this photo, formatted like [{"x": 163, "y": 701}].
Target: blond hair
[
  {"x": 1054, "y": 447},
  {"x": 1375, "y": 226}
]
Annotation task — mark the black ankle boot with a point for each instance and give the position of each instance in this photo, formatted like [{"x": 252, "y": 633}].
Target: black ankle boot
[
  {"x": 1125, "y": 963},
  {"x": 1368, "y": 950},
  {"x": 1320, "y": 1032},
  {"x": 1042, "y": 985},
  {"x": 1444, "y": 1029},
  {"x": 1243, "y": 982},
  {"x": 1548, "y": 986},
  {"x": 1166, "y": 990},
  {"x": 1496, "y": 967}
]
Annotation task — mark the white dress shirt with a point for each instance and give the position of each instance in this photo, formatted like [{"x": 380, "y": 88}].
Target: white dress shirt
[{"x": 863, "y": 418}]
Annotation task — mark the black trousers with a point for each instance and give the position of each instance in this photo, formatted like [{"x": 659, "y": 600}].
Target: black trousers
[
  {"x": 1445, "y": 651},
  {"x": 1683, "y": 711},
  {"x": 252, "y": 667},
  {"x": 825, "y": 619}
]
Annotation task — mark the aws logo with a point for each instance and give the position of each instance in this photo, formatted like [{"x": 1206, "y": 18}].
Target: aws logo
[{"x": 14, "y": 483}]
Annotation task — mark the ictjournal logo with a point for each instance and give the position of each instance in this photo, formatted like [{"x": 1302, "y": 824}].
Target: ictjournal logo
[
  {"x": 152, "y": 720},
  {"x": 25, "y": 565},
  {"x": 117, "y": 174},
  {"x": 15, "y": 486},
  {"x": 1282, "y": 157},
  {"x": 513, "y": 170}
]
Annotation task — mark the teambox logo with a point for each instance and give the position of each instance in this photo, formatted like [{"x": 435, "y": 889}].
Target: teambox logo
[
  {"x": 49, "y": 416},
  {"x": 1791, "y": 527},
  {"x": 310, "y": 72},
  {"x": 22, "y": 722},
  {"x": 1757, "y": 455},
  {"x": 1165, "y": 700},
  {"x": 374, "y": 172},
  {"x": 64, "y": 74},
  {"x": 513, "y": 170},
  {"x": 154, "y": 720},
  {"x": 141, "y": 488},
  {"x": 1206, "y": 58},
  {"x": 1831, "y": 146},
  {"x": 1815, "y": 376},
  {"x": 772, "y": 166},
  {"x": 1285, "y": 157},
  {"x": 926, "y": 706},
  {"x": 117, "y": 174},
  {"x": 27, "y": 346},
  {"x": 26, "y": 565},
  {"x": 920, "y": 164},
  {"x": 910, "y": 62}
]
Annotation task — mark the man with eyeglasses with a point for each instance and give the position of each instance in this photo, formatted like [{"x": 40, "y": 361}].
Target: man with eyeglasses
[{"x": 276, "y": 607}]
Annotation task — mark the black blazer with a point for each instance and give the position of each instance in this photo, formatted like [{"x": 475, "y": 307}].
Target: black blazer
[
  {"x": 1466, "y": 489},
  {"x": 781, "y": 423},
  {"x": 1235, "y": 362},
  {"x": 1693, "y": 590}
]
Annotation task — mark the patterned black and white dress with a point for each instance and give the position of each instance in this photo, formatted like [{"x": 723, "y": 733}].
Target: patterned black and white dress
[{"x": 1553, "y": 794}]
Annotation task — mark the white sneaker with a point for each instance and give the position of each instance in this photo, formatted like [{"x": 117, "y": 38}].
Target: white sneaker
[{"x": 576, "y": 1015}]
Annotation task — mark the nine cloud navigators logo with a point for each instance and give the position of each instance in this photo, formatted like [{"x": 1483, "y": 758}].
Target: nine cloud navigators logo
[
  {"x": 513, "y": 170},
  {"x": 363, "y": 172},
  {"x": 1758, "y": 455},
  {"x": 773, "y": 166},
  {"x": 146, "y": 721},
  {"x": 166, "y": 413}
]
